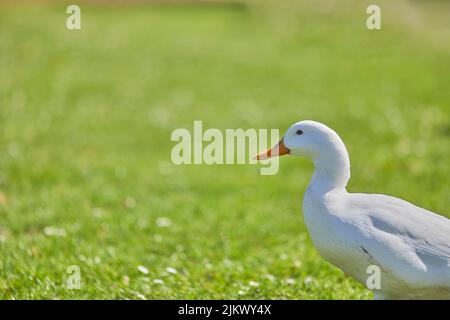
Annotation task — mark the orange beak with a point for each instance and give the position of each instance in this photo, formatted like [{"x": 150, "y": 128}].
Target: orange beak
[{"x": 277, "y": 150}]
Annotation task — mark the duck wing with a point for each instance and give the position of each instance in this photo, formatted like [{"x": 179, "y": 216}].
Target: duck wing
[{"x": 408, "y": 241}]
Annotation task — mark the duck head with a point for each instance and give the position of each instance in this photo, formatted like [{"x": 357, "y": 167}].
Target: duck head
[{"x": 318, "y": 142}]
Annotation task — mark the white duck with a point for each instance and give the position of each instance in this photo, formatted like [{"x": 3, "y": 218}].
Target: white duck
[{"x": 410, "y": 245}]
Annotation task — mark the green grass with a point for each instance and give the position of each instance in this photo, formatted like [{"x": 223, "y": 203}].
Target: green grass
[{"x": 85, "y": 124}]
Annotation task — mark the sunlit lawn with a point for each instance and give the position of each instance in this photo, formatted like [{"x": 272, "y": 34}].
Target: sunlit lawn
[{"x": 85, "y": 124}]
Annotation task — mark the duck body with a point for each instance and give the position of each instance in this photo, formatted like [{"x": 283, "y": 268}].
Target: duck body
[{"x": 354, "y": 231}]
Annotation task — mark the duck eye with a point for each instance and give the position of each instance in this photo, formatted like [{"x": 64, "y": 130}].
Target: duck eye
[{"x": 299, "y": 132}]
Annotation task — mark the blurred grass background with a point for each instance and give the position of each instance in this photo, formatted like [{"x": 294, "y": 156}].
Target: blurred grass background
[{"x": 85, "y": 123}]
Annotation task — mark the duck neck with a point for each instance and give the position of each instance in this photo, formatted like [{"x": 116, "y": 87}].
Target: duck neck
[{"x": 331, "y": 169}]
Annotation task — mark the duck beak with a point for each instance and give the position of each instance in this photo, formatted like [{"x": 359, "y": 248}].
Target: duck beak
[{"x": 277, "y": 150}]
